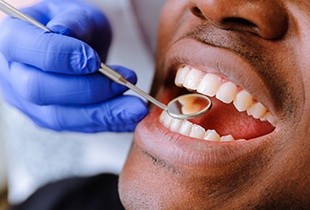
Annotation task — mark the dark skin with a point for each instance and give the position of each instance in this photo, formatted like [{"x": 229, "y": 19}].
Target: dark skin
[{"x": 263, "y": 47}]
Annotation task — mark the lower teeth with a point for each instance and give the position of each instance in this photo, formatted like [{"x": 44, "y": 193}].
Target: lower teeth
[{"x": 187, "y": 128}]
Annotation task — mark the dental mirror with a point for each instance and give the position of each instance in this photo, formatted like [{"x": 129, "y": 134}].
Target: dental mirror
[
  {"x": 189, "y": 106},
  {"x": 183, "y": 107}
]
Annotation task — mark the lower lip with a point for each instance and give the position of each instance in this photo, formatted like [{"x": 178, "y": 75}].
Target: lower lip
[{"x": 175, "y": 149}]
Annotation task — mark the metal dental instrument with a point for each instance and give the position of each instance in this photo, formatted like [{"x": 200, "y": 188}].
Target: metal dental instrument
[{"x": 183, "y": 107}]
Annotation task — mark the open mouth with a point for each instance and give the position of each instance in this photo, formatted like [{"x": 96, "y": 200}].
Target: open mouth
[{"x": 235, "y": 114}]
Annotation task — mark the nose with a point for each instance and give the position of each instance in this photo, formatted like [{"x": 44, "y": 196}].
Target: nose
[{"x": 266, "y": 18}]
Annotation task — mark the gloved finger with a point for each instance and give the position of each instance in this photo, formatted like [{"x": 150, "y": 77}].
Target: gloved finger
[
  {"x": 48, "y": 51},
  {"x": 85, "y": 23},
  {"x": 120, "y": 114},
  {"x": 75, "y": 19},
  {"x": 117, "y": 115},
  {"x": 45, "y": 88}
]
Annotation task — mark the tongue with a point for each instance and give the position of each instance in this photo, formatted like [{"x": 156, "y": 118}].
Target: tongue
[{"x": 225, "y": 119}]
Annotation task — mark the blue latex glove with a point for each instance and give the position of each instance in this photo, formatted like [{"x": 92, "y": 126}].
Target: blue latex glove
[{"x": 53, "y": 78}]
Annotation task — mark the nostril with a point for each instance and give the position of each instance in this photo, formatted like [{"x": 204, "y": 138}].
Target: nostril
[
  {"x": 239, "y": 24},
  {"x": 197, "y": 12},
  {"x": 267, "y": 19},
  {"x": 238, "y": 21}
]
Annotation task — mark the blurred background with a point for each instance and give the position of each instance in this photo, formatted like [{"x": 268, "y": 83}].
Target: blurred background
[{"x": 3, "y": 177}]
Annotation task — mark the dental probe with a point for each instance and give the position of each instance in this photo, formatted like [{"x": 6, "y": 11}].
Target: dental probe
[
  {"x": 175, "y": 108},
  {"x": 180, "y": 107}
]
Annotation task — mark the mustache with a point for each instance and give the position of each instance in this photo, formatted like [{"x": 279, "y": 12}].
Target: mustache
[{"x": 235, "y": 41}]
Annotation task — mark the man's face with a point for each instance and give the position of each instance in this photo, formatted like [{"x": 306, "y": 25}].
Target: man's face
[{"x": 252, "y": 150}]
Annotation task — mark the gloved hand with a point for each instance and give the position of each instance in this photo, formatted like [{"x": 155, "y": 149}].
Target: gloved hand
[{"x": 53, "y": 78}]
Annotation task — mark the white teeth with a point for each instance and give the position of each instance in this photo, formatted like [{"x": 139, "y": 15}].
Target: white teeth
[
  {"x": 227, "y": 92},
  {"x": 162, "y": 117},
  {"x": 181, "y": 76},
  {"x": 187, "y": 128},
  {"x": 212, "y": 85},
  {"x": 175, "y": 124},
  {"x": 197, "y": 132},
  {"x": 167, "y": 121},
  {"x": 270, "y": 119},
  {"x": 209, "y": 85},
  {"x": 212, "y": 135},
  {"x": 243, "y": 101},
  {"x": 193, "y": 79},
  {"x": 227, "y": 138},
  {"x": 257, "y": 110}
]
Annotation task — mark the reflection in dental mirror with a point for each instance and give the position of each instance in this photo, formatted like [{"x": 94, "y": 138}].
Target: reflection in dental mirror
[{"x": 189, "y": 106}]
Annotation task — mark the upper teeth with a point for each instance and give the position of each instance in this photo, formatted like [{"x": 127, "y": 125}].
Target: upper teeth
[{"x": 212, "y": 85}]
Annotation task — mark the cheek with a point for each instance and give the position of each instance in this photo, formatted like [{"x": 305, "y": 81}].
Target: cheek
[{"x": 170, "y": 21}]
